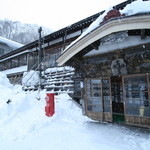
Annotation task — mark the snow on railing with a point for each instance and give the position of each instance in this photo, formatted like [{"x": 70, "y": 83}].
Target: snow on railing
[{"x": 55, "y": 79}]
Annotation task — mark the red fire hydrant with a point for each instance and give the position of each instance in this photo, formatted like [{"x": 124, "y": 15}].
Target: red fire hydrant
[{"x": 50, "y": 104}]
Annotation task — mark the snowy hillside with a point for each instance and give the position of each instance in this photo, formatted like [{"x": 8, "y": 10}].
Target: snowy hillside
[{"x": 24, "y": 126}]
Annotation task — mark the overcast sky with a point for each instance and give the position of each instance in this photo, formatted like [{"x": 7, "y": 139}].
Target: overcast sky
[{"x": 54, "y": 14}]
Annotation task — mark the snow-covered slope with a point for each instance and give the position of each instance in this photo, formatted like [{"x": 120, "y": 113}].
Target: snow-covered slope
[{"x": 27, "y": 110}]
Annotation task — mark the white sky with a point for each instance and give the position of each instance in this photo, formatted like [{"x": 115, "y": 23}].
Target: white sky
[{"x": 54, "y": 14}]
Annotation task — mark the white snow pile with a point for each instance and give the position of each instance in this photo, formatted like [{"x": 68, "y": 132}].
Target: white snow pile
[
  {"x": 10, "y": 43},
  {"x": 24, "y": 126},
  {"x": 57, "y": 69},
  {"x": 4, "y": 82},
  {"x": 25, "y": 114},
  {"x": 15, "y": 70},
  {"x": 30, "y": 78},
  {"x": 135, "y": 7}
]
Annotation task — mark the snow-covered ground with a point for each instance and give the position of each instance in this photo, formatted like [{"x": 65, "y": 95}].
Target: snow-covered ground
[{"x": 24, "y": 126}]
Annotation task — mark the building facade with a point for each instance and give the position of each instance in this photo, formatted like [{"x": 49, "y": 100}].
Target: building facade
[{"x": 113, "y": 64}]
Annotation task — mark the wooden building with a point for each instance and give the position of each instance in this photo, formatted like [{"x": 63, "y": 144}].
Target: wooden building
[
  {"x": 15, "y": 63},
  {"x": 25, "y": 58},
  {"x": 113, "y": 63}
]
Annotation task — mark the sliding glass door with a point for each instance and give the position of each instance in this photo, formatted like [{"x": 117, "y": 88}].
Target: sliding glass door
[{"x": 98, "y": 99}]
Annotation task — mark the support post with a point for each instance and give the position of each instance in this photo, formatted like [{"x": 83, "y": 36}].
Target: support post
[{"x": 40, "y": 57}]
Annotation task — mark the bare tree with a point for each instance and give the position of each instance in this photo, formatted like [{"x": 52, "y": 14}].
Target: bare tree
[
  {"x": 22, "y": 33},
  {"x": 8, "y": 28}
]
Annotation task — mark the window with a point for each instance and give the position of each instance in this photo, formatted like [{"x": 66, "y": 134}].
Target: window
[
  {"x": 50, "y": 57},
  {"x": 94, "y": 100},
  {"x": 22, "y": 60},
  {"x": 7, "y": 64},
  {"x": 98, "y": 95},
  {"x": 32, "y": 60},
  {"x": 106, "y": 94},
  {"x": 14, "y": 62},
  {"x": 136, "y": 95},
  {"x": 1, "y": 66}
]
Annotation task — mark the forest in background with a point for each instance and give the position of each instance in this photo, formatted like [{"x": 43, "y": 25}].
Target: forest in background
[{"x": 20, "y": 32}]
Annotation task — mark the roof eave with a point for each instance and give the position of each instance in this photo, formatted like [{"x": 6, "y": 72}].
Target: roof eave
[{"x": 112, "y": 26}]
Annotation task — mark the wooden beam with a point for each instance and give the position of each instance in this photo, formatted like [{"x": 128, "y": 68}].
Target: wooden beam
[{"x": 143, "y": 35}]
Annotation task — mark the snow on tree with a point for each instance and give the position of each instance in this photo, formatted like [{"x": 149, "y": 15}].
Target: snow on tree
[{"x": 19, "y": 32}]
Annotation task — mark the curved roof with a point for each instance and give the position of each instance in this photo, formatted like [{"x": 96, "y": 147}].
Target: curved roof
[{"x": 112, "y": 26}]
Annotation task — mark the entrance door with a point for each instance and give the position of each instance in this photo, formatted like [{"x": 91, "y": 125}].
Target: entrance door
[
  {"x": 117, "y": 99},
  {"x": 137, "y": 99},
  {"x": 98, "y": 99},
  {"x": 106, "y": 98}
]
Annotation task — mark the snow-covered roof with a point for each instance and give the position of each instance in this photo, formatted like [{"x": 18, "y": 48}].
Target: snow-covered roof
[
  {"x": 10, "y": 43},
  {"x": 57, "y": 69},
  {"x": 98, "y": 31},
  {"x": 136, "y": 7},
  {"x": 15, "y": 70}
]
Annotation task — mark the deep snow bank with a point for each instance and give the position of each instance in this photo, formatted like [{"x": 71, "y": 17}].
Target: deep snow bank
[
  {"x": 26, "y": 111},
  {"x": 23, "y": 125}
]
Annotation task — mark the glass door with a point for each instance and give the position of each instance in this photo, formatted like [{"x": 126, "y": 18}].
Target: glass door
[
  {"x": 98, "y": 99},
  {"x": 106, "y": 98},
  {"x": 93, "y": 95},
  {"x": 136, "y": 95},
  {"x": 117, "y": 99}
]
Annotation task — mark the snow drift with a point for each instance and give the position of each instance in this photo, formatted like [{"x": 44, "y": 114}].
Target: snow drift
[
  {"x": 25, "y": 113},
  {"x": 23, "y": 125}
]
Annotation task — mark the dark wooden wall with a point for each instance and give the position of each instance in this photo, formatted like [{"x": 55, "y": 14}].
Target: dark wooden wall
[{"x": 132, "y": 60}]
